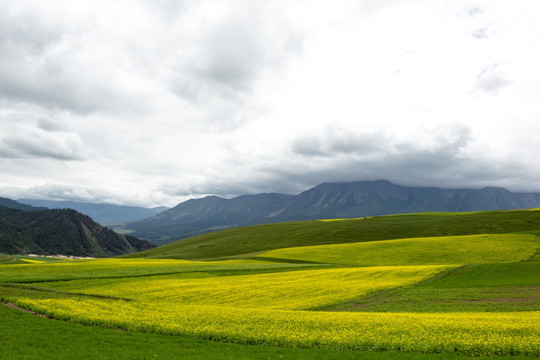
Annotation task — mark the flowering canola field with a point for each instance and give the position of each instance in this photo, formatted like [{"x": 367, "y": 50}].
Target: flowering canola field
[
  {"x": 419, "y": 251},
  {"x": 258, "y": 302}
]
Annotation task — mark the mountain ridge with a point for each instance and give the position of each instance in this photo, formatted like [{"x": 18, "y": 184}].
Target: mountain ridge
[
  {"x": 104, "y": 214},
  {"x": 13, "y": 204},
  {"x": 327, "y": 200},
  {"x": 65, "y": 232}
]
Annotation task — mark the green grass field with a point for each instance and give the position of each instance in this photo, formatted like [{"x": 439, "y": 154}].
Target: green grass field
[
  {"x": 418, "y": 296},
  {"x": 254, "y": 239}
]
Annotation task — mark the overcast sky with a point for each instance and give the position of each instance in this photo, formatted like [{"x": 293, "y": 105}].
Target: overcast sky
[{"x": 154, "y": 102}]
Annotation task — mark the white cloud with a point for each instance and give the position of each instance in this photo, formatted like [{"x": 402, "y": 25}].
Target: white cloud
[{"x": 153, "y": 102}]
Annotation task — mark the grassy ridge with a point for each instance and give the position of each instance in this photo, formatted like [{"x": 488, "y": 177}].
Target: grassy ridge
[
  {"x": 418, "y": 251},
  {"x": 259, "y": 238}
]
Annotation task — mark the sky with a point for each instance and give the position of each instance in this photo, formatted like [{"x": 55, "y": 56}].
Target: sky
[{"x": 152, "y": 103}]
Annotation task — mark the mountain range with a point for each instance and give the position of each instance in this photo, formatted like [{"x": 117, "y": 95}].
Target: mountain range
[
  {"x": 325, "y": 201},
  {"x": 17, "y": 205},
  {"x": 25, "y": 230},
  {"x": 104, "y": 214}
]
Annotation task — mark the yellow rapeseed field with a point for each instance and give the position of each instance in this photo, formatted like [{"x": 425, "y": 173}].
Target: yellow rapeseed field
[
  {"x": 469, "y": 333},
  {"x": 292, "y": 290},
  {"x": 257, "y": 302},
  {"x": 418, "y": 251}
]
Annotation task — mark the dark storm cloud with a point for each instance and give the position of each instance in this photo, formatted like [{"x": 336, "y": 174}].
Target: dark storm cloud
[
  {"x": 24, "y": 40},
  {"x": 233, "y": 54},
  {"x": 67, "y": 193},
  {"x": 219, "y": 187},
  {"x": 162, "y": 100},
  {"x": 49, "y": 125},
  {"x": 412, "y": 168},
  {"x": 234, "y": 50},
  {"x": 52, "y": 62},
  {"x": 21, "y": 138},
  {"x": 26, "y": 32},
  {"x": 313, "y": 160},
  {"x": 334, "y": 142},
  {"x": 441, "y": 164},
  {"x": 32, "y": 146},
  {"x": 308, "y": 146}
]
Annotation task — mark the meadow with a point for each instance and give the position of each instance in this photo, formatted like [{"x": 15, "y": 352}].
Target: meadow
[{"x": 470, "y": 295}]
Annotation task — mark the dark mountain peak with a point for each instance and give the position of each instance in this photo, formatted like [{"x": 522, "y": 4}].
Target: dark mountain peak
[
  {"x": 344, "y": 195},
  {"x": 379, "y": 186}
]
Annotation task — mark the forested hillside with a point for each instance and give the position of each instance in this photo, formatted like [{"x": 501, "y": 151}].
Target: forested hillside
[{"x": 66, "y": 232}]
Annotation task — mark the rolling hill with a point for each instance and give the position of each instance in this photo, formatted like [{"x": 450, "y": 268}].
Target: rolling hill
[
  {"x": 254, "y": 239},
  {"x": 325, "y": 201},
  {"x": 450, "y": 284},
  {"x": 66, "y": 232}
]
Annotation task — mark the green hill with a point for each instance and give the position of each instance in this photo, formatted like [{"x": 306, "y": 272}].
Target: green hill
[
  {"x": 255, "y": 239},
  {"x": 443, "y": 250}
]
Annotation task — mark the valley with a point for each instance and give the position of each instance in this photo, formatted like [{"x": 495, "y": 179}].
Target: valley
[{"x": 438, "y": 284}]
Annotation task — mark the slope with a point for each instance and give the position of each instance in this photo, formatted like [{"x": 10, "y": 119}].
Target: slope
[
  {"x": 253, "y": 239},
  {"x": 325, "y": 201},
  {"x": 442, "y": 250},
  {"x": 197, "y": 216},
  {"x": 65, "y": 232},
  {"x": 12, "y": 204}
]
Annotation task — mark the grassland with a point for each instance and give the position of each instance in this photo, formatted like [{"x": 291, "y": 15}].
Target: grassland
[
  {"x": 497, "y": 287},
  {"x": 254, "y": 239},
  {"x": 454, "y": 294}
]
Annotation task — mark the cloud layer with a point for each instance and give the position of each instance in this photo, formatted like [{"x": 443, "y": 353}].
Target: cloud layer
[{"x": 151, "y": 103}]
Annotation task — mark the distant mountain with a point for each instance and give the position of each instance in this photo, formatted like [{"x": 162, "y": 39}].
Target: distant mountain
[
  {"x": 197, "y": 216},
  {"x": 102, "y": 213},
  {"x": 66, "y": 232},
  {"x": 331, "y": 200},
  {"x": 370, "y": 198},
  {"x": 17, "y": 205}
]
